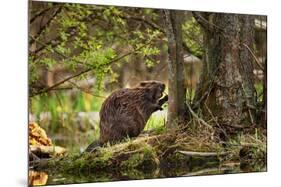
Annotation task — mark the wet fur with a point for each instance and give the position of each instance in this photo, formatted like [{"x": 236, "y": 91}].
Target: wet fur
[{"x": 125, "y": 112}]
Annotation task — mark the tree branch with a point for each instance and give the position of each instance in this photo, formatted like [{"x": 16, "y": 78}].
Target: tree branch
[
  {"x": 38, "y": 15},
  {"x": 157, "y": 27},
  {"x": 56, "y": 12},
  {"x": 254, "y": 56},
  {"x": 150, "y": 23},
  {"x": 86, "y": 70},
  {"x": 60, "y": 82},
  {"x": 201, "y": 20}
]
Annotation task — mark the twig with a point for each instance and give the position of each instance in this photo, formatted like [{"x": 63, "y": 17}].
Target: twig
[
  {"x": 157, "y": 27},
  {"x": 201, "y": 20},
  {"x": 150, "y": 23},
  {"x": 38, "y": 14},
  {"x": 205, "y": 24},
  {"x": 216, "y": 121},
  {"x": 63, "y": 88},
  {"x": 60, "y": 82},
  {"x": 57, "y": 52},
  {"x": 86, "y": 70},
  {"x": 84, "y": 90},
  {"x": 254, "y": 56},
  {"x": 57, "y": 11},
  {"x": 199, "y": 119}
]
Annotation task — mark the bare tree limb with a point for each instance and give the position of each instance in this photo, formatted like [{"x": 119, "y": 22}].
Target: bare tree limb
[{"x": 254, "y": 56}]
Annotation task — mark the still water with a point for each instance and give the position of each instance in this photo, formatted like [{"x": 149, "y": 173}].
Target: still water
[{"x": 37, "y": 178}]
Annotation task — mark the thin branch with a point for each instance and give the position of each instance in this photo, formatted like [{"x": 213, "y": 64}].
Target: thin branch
[
  {"x": 198, "y": 118},
  {"x": 39, "y": 14},
  {"x": 216, "y": 121},
  {"x": 150, "y": 23},
  {"x": 84, "y": 90},
  {"x": 203, "y": 22},
  {"x": 57, "y": 52},
  {"x": 63, "y": 88},
  {"x": 254, "y": 56},
  {"x": 46, "y": 45},
  {"x": 60, "y": 82},
  {"x": 57, "y": 11},
  {"x": 157, "y": 27},
  {"x": 85, "y": 71}
]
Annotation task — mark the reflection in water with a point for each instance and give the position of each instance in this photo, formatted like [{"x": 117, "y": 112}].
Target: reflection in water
[
  {"x": 36, "y": 178},
  {"x": 41, "y": 178}
]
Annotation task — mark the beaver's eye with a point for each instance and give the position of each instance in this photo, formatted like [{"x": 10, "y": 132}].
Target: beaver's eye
[{"x": 143, "y": 83}]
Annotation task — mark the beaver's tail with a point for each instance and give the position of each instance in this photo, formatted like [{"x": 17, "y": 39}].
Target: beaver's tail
[{"x": 92, "y": 147}]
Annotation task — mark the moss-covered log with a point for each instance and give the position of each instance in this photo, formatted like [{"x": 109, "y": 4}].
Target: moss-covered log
[
  {"x": 145, "y": 153},
  {"x": 172, "y": 149}
]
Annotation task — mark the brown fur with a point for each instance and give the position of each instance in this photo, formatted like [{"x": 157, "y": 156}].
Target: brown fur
[{"x": 126, "y": 111}]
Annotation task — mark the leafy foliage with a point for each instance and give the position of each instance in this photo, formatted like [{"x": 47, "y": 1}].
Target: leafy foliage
[
  {"x": 88, "y": 36},
  {"x": 192, "y": 36}
]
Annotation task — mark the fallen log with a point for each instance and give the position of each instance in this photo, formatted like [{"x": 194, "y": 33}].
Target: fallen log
[
  {"x": 203, "y": 154},
  {"x": 42, "y": 151}
]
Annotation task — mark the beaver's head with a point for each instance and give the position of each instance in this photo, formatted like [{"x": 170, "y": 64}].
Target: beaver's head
[{"x": 154, "y": 89}]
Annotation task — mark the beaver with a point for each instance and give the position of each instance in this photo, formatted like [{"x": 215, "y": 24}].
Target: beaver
[{"x": 125, "y": 112}]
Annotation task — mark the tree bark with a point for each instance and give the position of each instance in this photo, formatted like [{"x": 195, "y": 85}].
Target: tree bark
[
  {"x": 227, "y": 84},
  {"x": 177, "y": 92}
]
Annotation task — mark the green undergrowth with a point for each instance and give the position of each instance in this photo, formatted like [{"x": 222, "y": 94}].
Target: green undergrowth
[{"x": 62, "y": 107}]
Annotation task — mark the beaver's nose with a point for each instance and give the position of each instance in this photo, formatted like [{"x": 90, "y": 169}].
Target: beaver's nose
[{"x": 163, "y": 86}]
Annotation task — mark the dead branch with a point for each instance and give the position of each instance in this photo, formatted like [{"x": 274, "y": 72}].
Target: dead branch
[
  {"x": 254, "y": 56},
  {"x": 198, "y": 118},
  {"x": 203, "y": 154}
]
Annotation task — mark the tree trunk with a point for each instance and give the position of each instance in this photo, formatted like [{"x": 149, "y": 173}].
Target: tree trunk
[
  {"x": 177, "y": 92},
  {"x": 227, "y": 86}
]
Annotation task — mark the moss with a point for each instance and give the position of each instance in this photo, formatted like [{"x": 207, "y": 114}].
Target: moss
[
  {"x": 146, "y": 158},
  {"x": 133, "y": 161}
]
